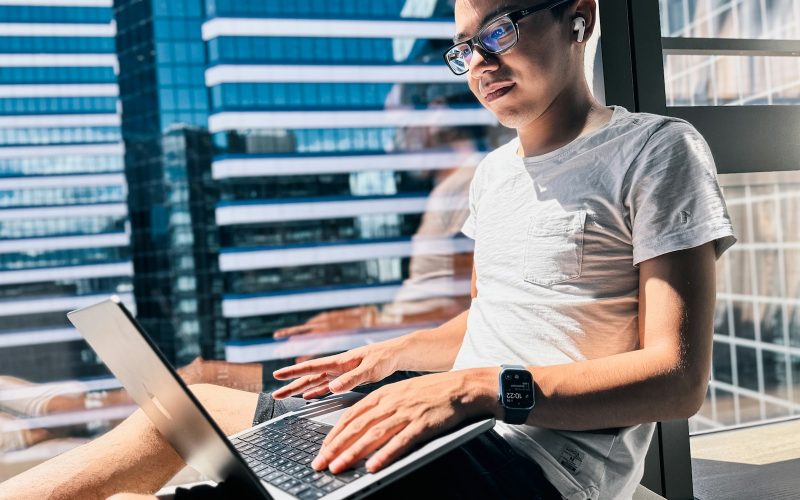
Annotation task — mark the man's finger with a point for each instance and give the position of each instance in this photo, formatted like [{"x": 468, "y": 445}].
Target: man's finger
[
  {"x": 310, "y": 367},
  {"x": 348, "y": 416},
  {"x": 319, "y": 319},
  {"x": 300, "y": 385},
  {"x": 396, "y": 447},
  {"x": 292, "y": 330},
  {"x": 370, "y": 441},
  {"x": 351, "y": 379},
  {"x": 348, "y": 433},
  {"x": 318, "y": 391}
]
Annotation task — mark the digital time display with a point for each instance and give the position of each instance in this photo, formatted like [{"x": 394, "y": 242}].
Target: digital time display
[{"x": 517, "y": 389}]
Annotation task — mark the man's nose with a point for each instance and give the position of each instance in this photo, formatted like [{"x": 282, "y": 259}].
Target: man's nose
[{"x": 481, "y": 62}]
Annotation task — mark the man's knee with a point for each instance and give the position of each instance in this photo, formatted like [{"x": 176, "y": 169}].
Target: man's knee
[
  {"x": 232, "y": 409},
  {"x": 204, "y": 392}
]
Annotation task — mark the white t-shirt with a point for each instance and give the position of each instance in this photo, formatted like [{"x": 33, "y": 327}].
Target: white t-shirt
[{"x": 558, "y": 239}]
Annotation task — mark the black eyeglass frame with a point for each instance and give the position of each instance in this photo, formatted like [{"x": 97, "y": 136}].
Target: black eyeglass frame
[{"x": 514, "y": 17}]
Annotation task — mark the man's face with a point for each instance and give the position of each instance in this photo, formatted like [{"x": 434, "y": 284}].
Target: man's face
[{"x": 519, "y": 85}]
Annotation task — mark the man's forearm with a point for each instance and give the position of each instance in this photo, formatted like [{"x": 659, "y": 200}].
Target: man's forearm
[
  {"x": 616, "y": 391},
  {"x": 434, "y": 349}
]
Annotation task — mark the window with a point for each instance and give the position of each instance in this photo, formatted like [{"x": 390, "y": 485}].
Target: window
[{"x": 246, "y": 212}]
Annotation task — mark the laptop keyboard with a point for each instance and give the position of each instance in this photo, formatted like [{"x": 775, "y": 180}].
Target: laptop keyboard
[{"x": 281, "y": 452}]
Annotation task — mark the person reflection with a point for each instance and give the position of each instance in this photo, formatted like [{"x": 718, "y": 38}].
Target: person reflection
[
  {"x": 23, "y": 403},
  {"x": 435, "y": 263}
]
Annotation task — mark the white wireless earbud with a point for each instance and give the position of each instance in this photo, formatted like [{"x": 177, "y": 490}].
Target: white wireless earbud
[{"x": 579, "y": 25}]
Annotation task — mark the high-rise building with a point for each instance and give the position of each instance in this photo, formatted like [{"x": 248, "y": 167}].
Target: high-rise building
[
  {"x": 332, "y": 127},
  {"x": 64, "y": 242},
  {"x": 167, "y": 165}
]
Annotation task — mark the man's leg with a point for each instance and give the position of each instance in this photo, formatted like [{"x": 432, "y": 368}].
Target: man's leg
[
  {"x": 485, "y": 467},
  {"x": 132, "y": 457}
]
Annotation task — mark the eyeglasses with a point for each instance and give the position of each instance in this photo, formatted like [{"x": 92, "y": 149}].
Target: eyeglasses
[{"x": 495, "y": 37}]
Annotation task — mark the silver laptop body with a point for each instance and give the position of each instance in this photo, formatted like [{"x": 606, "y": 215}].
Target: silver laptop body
[{"x": 156, "y": 387}]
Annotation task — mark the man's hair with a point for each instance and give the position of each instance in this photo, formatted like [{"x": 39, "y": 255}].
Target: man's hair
[{"x": 559, "y": 10}]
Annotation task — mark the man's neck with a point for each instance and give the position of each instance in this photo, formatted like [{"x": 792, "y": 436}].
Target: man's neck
[{"x": 572, "y": 114}]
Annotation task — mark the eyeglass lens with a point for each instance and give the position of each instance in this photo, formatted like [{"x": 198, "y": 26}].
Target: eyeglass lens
[
  {"x": 499, "y": 35},
  {"x": 496, "y": 37}
]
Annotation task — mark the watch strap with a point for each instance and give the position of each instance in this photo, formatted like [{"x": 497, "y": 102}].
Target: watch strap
[{"x": 516, "y": 417}]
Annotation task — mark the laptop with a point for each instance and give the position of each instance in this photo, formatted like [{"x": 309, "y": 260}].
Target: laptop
[{"x": 271, "y": 460}]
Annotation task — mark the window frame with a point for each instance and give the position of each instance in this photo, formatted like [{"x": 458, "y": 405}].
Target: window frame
[{"x": 742, "y": 139}]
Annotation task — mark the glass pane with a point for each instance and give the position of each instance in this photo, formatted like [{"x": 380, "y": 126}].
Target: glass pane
[
  {"x": 699, "y": 80},
  {"x": 717, "y": 80},
  {"x": 757, "y": 318},
  {"x": 729, "y": 19}
]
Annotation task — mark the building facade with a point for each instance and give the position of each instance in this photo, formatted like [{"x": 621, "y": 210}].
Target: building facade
[
  {"x": 64, "y": 239},
  {"x": 167, "y": 167}
]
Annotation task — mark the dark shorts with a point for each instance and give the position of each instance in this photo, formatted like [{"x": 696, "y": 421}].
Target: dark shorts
[{"x": 484, "y": 468}]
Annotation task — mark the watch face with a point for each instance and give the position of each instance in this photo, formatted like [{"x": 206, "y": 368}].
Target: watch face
[{"x": 517, "y": 389}]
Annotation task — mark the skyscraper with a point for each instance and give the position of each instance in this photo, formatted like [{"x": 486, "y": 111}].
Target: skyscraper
[
  {"x": 63, "y": 234},
  {"x": 167, "y": 166}
]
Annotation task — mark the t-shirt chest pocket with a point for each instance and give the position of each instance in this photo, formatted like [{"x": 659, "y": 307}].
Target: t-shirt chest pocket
[{"x": 554, "y": 248}]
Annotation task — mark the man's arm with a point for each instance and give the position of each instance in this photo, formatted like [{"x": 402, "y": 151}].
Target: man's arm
[
  {"x": 665, "y": 379},
  {"x": 423, "y": 350}
]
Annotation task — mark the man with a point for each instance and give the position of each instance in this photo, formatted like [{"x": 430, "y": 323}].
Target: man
[{"x": 596, "y": 233}]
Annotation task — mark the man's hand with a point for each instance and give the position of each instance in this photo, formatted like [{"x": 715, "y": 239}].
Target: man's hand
[
  {"x": 394, "y": 418},
  {"x": 194, "y": 372},
  {"x": 340, "y": 319},
  {"x": 341, "y": 372}
]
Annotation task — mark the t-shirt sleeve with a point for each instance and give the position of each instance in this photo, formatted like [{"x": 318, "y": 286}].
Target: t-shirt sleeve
[{"x": 673, "y": 199}]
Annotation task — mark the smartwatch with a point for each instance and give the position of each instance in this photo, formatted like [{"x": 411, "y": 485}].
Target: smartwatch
[{"x": 516, "y": 393}]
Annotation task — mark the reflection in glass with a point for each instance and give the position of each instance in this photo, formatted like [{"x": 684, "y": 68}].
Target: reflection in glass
[
  {"x": 309, "y": 50},
  {"x": 775, "y": 374},
  {"x": 757, "y": 318},
  {"x": 337, "y": 96},
  {"x": 743, "y": 320},
  {"x": 794, "y": 327},
  {"x": 746, "y": 368},
  {"x": 344, "y": 140},
  {"x": 749, "y": 409},
  {"x": 40, "y": 420},
  {"x": 721, "y": 363},
  {"x": 699, "y": 80},
  {"x": 729, "y": 19},
  {"x": 63, "y": 228},
  {"x": 726, "y": 409},
  {"x": 795, "y": 372},
  {"x": 694, "y": 80},
  {"x": 771, "y": 328},
  {"x": 351, "y": 9}
]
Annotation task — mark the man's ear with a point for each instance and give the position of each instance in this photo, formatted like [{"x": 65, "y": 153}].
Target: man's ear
[{"x": 587, "y": 9}]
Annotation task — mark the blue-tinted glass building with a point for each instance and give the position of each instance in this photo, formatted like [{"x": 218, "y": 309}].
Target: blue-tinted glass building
[
  {"x": 332, "y": 123},
  {"x": 167, "y": 166},
  {"x": 64, "y": 240}
]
